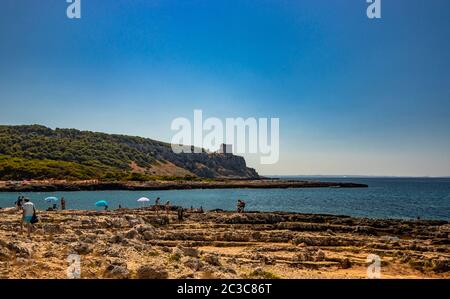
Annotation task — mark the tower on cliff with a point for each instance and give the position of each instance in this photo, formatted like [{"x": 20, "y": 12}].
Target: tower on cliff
[{"x": 226, "y": 148}]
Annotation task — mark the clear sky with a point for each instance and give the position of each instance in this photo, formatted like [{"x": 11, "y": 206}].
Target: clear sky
[{"x": 354, "y": 96}]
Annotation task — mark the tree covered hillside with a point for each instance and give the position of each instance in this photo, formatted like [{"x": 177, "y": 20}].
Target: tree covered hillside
[{"x": 38, "y": 152}]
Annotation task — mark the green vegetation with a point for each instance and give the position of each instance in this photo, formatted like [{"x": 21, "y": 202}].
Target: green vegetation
[
  {"x": 173, "y": 258},
  {"x": 88, "y": 148},
  {"x": 152, "y": 253},
  {"x": 37, "y": 152},
  {"x": 19, "y": 168},
  {"x": 14, "y": 169}
]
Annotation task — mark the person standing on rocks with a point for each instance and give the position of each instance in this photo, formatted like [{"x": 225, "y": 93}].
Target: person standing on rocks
[
  {"x": 240, "y": 206},
  {"x": 157, "y": 205},
  {"x": 19, "y": 202},
  {"x": 28, "y": 211},
  {"x": 167, "y": 206},
  {"x": 63, "y": 204},
  {"x": 180, "y": 212}
]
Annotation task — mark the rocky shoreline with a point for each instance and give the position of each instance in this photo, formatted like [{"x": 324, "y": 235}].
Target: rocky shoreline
[
  {"x": 140, "y": 243},
  {"x": 172, "y": 185}
]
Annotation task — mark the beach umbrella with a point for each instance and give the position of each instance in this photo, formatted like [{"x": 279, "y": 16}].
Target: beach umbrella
[
  {"x": 51, "y": 198},
  {"x": 143, "y": 199},
  {"x": 101, "y": 203}
]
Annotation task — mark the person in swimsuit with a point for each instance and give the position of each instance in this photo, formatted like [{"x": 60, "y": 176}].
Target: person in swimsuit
[{"x": 28, "y": 211}]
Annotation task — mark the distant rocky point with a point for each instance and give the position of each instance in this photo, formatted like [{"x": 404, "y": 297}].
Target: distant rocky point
[{"x": 179, "y": 184}]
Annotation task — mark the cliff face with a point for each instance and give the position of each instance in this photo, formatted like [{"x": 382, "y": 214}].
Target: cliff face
[
  {"x": 37, "y": 152},
  {"x": 214, "y": 165}
]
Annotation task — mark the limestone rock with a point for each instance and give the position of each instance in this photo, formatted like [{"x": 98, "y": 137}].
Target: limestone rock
[
  {"x": 151, "y": 272},
  {"x": 131, "y": 234},
  {"x": 118, "y": 222},
  {"x": 212, "y": 259},
  {"x": 52, "y": 228},
  {"x": 345, "y": 263},
  {"x": 117, "y": 270},
  {"x": 441, "y": 265},
  {"x": 144, "y": 228},
  {"x": 4, "y": 254},
  {"x": 148, "y": 235},
  {"x": 81, "y": 248},
  {"x": 20, "y": 250},
  {"x": 194, "y": 264},
  {"x": 190, "y": 251},
  {"x": 116, "y": 238}
]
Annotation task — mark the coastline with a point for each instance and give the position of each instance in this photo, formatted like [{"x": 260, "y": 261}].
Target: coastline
[
  {"x": 39, "y": 186},
  {"x": 139, "y": 243}
]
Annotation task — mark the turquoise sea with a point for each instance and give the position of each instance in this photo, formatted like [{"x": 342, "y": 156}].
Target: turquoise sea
[{"x": 405, "y": 198}]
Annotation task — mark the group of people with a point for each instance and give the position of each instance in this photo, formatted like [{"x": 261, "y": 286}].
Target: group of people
[
  {"x": 29, "y": 216},
  {"x": 240, "y": 207},
  {"x": 180, "y": 210},
  {"x": 55, "y": 205},
  {"x": 158, "y": 206}
]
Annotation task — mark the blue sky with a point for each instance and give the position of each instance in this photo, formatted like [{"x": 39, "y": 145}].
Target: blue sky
[{"x": 354, "y": 96}]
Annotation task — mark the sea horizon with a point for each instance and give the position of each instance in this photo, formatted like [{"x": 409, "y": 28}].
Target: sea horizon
[{"x": 353, "y": 176}]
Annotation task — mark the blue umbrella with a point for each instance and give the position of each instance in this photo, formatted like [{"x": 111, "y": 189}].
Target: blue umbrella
[
  {"x": 51, "y": 198},
  {"x": 101, "y": 203}
]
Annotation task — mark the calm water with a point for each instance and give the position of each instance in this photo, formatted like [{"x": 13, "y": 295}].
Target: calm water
[{"x": 404, "y": 198}]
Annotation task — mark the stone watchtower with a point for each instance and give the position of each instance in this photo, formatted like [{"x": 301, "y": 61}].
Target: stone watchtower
[{"x": 226, "y": 148}]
